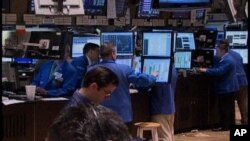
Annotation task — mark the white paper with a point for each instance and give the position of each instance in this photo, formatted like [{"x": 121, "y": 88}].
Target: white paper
[
  {"x": 54, "y": 99},
  {"x": 11, "y": 101}
]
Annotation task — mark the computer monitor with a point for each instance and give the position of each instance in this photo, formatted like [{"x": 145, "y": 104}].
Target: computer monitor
[
  {"x": 243, "y": 53},
  {"x": 23, "y": 60},
  {"x": 157, "y": 44},
  {"x": 202, "y": 58},
  {"x": 237, "y": 39},
  {"x": 121, "y": 6},
  {"x": 182, "y": 59},
  {"x": 136, "y": 64},
  {"x": 123, "y": 41},
  {"x": 184, "y": 40},
  {"x": 145, "y": 10},
  {"x": 161, "y": 65},
  {"x": 205, "y": 38},
  {"x": 79, "y": 41},
  {"x": 220, "y": 36},
  {"x": 126, "y": 60},
  {"x": 95, "y": 7}
]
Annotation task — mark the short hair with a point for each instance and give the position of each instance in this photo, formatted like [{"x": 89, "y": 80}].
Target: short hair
[
  {"x": 79, "y": 123},
  {"x": 224, "y": 44},
  {"x": 89, "y": 46},
  {"x": 106, "y": 49},
  {"x": 100, "y": 75}
]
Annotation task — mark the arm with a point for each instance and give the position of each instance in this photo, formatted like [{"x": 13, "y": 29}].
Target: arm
[{"x": 141, "y": 79}]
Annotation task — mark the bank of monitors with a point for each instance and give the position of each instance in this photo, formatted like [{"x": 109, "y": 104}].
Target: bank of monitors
[
  {"x": 95, "y": 7},
  {"x": 205, "y": 39},
  {"x": 202, "y": 58},
  {"x": 123, "y": 41},
  {"x": 157, "y": 44},
  {"x": 237, "y": 39},
  {"x": 243, "y": 53},
  {"x": 79, "y": 41},
  {"x": 160, "y": 65},
  {"x": 182, "y": 59},
  {"x": 126, "y": 60},
  {"x": 145, "y": 10},
  {"x": 184, "y": 41}
]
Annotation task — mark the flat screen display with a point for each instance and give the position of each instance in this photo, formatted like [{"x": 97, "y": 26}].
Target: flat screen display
[
  {"x": 220, "y": 36},
  {"x": 94, "y": 7},
  {"x": 184, "y": 40},
  {"x": 123, "y": 41},
  {"x": 79, "y": 41},
  {"x": 237, "y": 38},
  {"x": 157, "y": 44},
  {"x": 126, "y": 60},
  {"x": 205, "y": 39},
  {"x": 23, "y": 60},
  {"x": 243, "y": 53},
  {"x": 121, "y": 6},
  {"x": 202, "y": 58},
  {"x": 161, "y": 65},
  {"x": 182, "y": 59},
  {"x": 145, "y": 10},
  {"x": 181, "y": 4}
]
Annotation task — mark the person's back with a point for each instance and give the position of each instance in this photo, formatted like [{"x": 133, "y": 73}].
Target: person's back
[
  {"x": 89, "y": 57},
  {"x": 120, "y": 100}
]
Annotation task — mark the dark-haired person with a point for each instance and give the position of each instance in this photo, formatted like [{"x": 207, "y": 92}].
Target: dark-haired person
[
  {"x": 90, "y": 56},
  {"x": 56, "y": 77},
  {"x": 226, "y": 85},
  {"x": 242, "y": 94},
  {"x": 120, "y": 100},
  {"x": 83, "y": 119}
]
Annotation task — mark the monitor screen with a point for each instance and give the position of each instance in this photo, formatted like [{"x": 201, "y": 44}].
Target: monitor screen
[
  {"x": 184, "y": 40},
  {"x": 243, "y": 53},
  {"x": 6, "y": 59},
  {"x": 182, "y": 59},
  {"x": 94, "y": 7},
  {"x": 157, "y": 44},
  {"x": 220, "y": 36},
  {"x": 121, "y": 6},
  {"x": 79, "y": 41},
  {"x": 237, "y": 38},
  {"x": 6, "y": 6},
  {"x": 145, "y": 10},
  {"x": 205, "y": 38},
  {"x": 126, "y": 60},
  {"x": 123, "y": 41},
  {"x": 181, "y": 4},
  {"x": 136, "y": 65},
  {"x": 160, "y": 65},
  {"x": 202, "y": 58},
  {"x": 31, "y": 7},
  {"x": 23, "y": 60}
]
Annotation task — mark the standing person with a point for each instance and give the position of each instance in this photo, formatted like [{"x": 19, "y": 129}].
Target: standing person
[
  {"x": 163, "y": 106},
  {"x": 90, "y": 56},
  {"x": 56, "y": 77},
  {"x": 226, "y": 85},
  {"x": 242, "y": 94},
  {"x": 120, "y": 100},
  {"x": 83, "y": 119}
]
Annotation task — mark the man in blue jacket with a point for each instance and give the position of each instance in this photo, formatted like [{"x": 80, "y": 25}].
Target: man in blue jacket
[
  {"x": 120, "y": 100},
  {"x": 242, "y": 94},
  {"x": 56, "y": 77},
  {"x": 226, "y": 85},
  {"x": 163, "y": 106},
  {"x": 90, "y": 56}
]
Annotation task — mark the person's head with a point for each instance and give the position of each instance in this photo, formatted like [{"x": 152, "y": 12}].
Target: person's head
[
  {"x": 79, "y": 123},
  {"x": 107, "y": 51},
  {"x": 222, "y": 48},
  {"x": 98, "y": 83},
  {"x": 92, "y": 51}
]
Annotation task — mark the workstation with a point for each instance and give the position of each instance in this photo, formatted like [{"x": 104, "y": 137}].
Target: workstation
[{"x": 148, "y": 36}]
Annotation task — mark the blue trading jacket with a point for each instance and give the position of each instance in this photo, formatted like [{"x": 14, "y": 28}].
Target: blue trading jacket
[
  {"x": 240, "y": 72},
  {"x": 162, "y": 96},
  {"x": 80, "y": 63},
  {"x": 225, "y": 75},
  {"x": 64, "y": 87},
  {"x": 120, "y": 99}
]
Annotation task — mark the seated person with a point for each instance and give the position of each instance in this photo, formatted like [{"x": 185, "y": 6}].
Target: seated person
[
  {"x": 83, "y": 119},
  {"x": 56, "y": 77}
]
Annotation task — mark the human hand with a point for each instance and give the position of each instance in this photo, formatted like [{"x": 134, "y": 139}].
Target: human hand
[
  {"x": 41, "y": 91},
  {"x": 155, "y": 73},
  {"x": 201, "y": 69}
]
